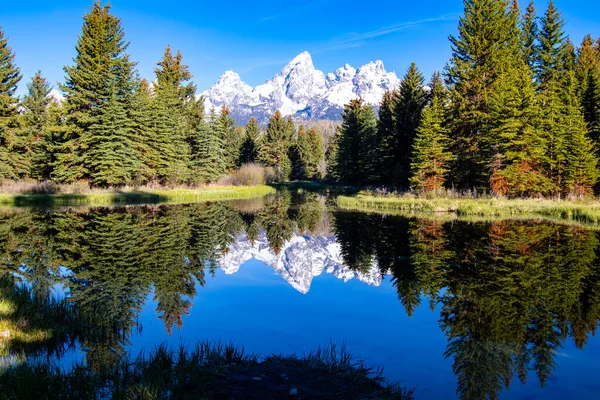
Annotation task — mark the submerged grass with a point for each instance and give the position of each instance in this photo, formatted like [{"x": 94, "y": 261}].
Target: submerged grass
[
  {"x": 583, "y": 211},
  {"x": 136, "y": 196},
  {"x": 208, "y": 371}
]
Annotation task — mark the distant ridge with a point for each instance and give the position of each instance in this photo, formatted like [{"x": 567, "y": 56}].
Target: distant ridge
[{"x": 301, "y": 91}]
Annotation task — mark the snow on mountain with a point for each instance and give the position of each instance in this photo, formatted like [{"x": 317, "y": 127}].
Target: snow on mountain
[
  {"x": 302, "y": 91},
  {"x": 302, "y": 258},
  {"x": 56, "y": 96}
]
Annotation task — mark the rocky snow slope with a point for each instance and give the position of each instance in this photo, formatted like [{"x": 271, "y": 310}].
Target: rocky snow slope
[
  {"x": 302, "y": 258},
  {"x": 301, "y": 91}
]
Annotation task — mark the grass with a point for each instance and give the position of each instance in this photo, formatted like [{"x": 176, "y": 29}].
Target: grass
[
  {"x": 208, "y": 371},
  {"x": 99, "y": 197},
  {"x": 30, "y": 324},
  {"x": 583, "y": 211}
]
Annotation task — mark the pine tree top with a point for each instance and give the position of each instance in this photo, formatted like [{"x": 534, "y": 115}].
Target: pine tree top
[{"x": 10, "y": 74}]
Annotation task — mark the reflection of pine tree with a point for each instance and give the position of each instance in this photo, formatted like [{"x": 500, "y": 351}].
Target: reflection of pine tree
[
  {"x": 276, "y": 222},
  {"x": 429, "y": 256},
  {"x": 311, "y": 213}
]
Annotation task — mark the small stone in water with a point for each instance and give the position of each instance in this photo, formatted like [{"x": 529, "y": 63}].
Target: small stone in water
[
  {"x": 257, "y": 378},
  {"x": 293, "y": 392},
  {"x": 283, "y": 376}
]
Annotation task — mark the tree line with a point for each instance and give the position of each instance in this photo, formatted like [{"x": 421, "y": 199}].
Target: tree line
[
  {"x": 516, "y": 112},
  {"x": 115, "y": 128}
]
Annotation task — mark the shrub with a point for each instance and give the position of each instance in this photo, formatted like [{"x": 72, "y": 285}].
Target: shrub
[{"x": 249, "y": 175}]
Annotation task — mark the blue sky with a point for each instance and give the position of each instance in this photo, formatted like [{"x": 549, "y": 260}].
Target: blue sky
[{"x": 256, "y": 38}]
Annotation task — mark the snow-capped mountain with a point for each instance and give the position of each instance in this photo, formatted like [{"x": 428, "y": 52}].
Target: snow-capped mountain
[
  {"x": 301, "y": 91},
  {"x": 302, "y": 258}
]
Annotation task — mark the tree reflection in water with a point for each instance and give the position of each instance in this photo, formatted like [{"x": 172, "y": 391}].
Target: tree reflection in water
[{"x": 509, "y": 293}]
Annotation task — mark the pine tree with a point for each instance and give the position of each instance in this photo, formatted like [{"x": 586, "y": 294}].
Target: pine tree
[
  {"x": 276, "y": 144},
  {"x": 588, "y": 77},
  {"x": 315, "y": 162},
  {"x": 331, "y": 157},
  {"x": 144, "y": 137},
  {"x": 101, "y": 71},
  {"x": 431, "y": 157},
  {"x": 483, "y": 50},
  {"x": 517, "y": 169},
  {"x": 169, "y": 111},
  {"x": 386, "y": 137},
  {"x": 110, "y": 159},
  {"x": 552, "y": 48},
  {"x": 249, "y": 149},
  {"x": 208, "y": 156},
  {"x": 10, "y": 138},
  {"x": 231, "y": 137},
  {"x": 408, "y": 112},
  {"x": 35, "y": 115},
  {"x": 529, "y": 27},
  {"x": 45, "y": 151},
  {"x": 582, "y": 162},
  {"x": 354, "y": 163}
]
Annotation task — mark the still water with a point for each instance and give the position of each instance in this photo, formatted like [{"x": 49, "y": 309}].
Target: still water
[{"x": 459, "y": 309}]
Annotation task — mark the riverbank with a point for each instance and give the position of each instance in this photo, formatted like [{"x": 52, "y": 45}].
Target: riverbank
[
  {"x": 207, "y": 372},
  {"x": 100, "y": 197},
  {"x": 584, "y": 211}
]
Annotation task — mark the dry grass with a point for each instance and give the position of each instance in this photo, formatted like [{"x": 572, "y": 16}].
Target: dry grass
[
  {"x": 48, "y": 194},
  {"x": 580, "y": 210}
]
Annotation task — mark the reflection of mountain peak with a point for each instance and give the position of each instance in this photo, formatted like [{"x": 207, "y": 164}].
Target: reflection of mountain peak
[{"x": 300, "y": 260}]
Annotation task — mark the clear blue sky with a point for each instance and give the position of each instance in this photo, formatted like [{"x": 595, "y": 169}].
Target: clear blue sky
[{"x": 256, "y": 38}]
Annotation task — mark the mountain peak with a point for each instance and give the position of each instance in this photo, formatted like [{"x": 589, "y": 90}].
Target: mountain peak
[{"x": 301, "y": 91}]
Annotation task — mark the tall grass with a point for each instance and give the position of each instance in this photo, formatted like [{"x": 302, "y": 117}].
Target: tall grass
[
  {"x": 65, "y": 195},
  {"x": 207, "y": 371},
  {"x": 584, "y": 211}
]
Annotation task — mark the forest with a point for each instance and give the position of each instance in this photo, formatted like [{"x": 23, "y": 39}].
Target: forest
[{"x": 514, "y": 113}]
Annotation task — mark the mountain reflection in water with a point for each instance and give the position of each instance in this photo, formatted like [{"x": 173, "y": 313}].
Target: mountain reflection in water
[{"x": 507, "y": 294}]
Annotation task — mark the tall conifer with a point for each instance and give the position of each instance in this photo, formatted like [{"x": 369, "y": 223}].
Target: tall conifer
[
  {"x": 102, "y": 72},
  {"x": 408, "y": 112},
  {"x": 35, "y": 114},
  {"x": 249, "y": 149},
  {"x": 276, "y": 145},
  {"x": 431, "y": 157},
  {"x": 10, "y": 139},
  {"x": 482, "y": 51}
]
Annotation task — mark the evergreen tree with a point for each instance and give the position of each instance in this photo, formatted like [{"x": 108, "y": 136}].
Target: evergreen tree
[
  {"x": 517, "y": 168},
  {"x": 208, "y": 155},
  {"x": 249, "y": 149},
  {"x": 482, "y": 51},
  {"x": 10, "y": 138},
  {"x": 110, "y": 159},
  {"x": 529, "y": 27},
  {"x": 276, "y": 144},
  {"x": 231, "y": 138},
  {"x": 408, "y": 112},
  {"x": 552, "y": 48},
  {"x": 35, "y": 114},
  {"x": 354, "y": 163},
  {"x": 582, "y": 169},
  {"x": 331, "y": 156},
  {"x": 588, "y": 76},
  {"x": 172, "y": 93},
  {"x": 316, "y": 156},
  {"x": 144, "y": 137},
  {"x": 386, "y": 137},
  {"x": 430, "y": 159},
  {"x": 45, "y": 151},
  {"x": 101, "y": 71}
]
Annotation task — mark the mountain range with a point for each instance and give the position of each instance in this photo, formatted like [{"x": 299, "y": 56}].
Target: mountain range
[
  {"x": 299, "y": 261},
  {"x": 301, "y": 91}
]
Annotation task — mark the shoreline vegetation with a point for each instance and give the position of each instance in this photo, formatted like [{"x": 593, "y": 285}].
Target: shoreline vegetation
[
  {"x": 69, "y": 195},
  {"x": 583, "y": 211},
  {"x": 208, "y": 371},
  {"x": 31, "y": 323}
]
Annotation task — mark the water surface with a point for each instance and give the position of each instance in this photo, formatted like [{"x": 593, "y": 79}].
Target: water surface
[{"x": 459, "y": 309}]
